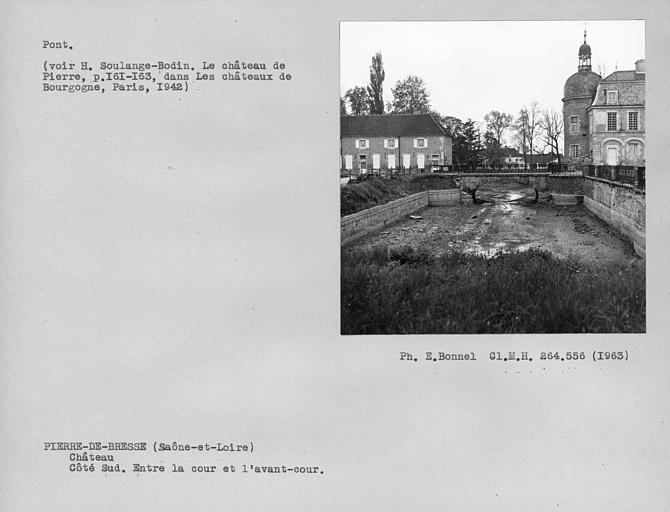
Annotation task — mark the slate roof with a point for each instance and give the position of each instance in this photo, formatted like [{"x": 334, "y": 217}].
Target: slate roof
[
  {"x": 629, "y": 83},
  {"x": 581, "y": 85},
  {"x": 505, "y": 151},
  {"x": 390, "y": 125},
  {"x": 625, "y": 75}
]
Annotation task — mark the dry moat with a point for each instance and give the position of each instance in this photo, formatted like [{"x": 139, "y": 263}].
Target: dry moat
[{"x": 507, "y": 219}]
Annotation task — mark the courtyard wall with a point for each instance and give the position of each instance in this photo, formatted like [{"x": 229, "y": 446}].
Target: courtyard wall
[
  {"x": 358, "y": 224},
  {"x": 620, "y": 205}
]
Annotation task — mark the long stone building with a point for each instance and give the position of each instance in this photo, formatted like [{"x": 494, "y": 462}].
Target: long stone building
[
  {"x": 379, "y": 144},
  {"x": 604, "y": 118}
]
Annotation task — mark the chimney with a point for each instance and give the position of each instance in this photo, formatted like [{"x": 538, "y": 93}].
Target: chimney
[{"x": 640, "y": 66}]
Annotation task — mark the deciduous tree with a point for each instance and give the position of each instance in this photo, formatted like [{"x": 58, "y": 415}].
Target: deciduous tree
[
  {"x": 359, "y": 101},
  {"x": 410, "y": 96},
  {"x": 496, "y": 125},
  {"x": 526, "y": 128},
  {"x": 552, "y": 129}
]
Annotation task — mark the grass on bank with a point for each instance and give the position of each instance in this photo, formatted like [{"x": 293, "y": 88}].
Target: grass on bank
[
  {"x": 407, "y": 291},
  {"x": 374, "y": 191}
]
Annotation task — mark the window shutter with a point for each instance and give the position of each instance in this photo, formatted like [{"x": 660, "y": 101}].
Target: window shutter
[
  {"x": 386, "y": 143},
  {"x": 367, "y": 143},
  {"x": 397, "y": 143},
  {"x": 357, "y": 144},
  {"x": 415, "y": 143}
]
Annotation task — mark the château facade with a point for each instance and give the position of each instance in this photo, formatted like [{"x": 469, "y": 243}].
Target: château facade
[{"x": 604, "y": 118}]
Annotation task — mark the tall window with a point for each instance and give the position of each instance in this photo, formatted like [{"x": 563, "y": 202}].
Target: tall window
[
  {"x": 596, "y": 154},
  {"x": 363, "y": 162},
  {"x": 632, "y": 121},
  {"x": 574, "y": 125},
  {"x": 390, "y": 143},
  {"x": 611, "y": 97},
  {"x": 611, "y": 121},
  {"x": 634, "y": 150},
  {"x": 574, "y": 150}
]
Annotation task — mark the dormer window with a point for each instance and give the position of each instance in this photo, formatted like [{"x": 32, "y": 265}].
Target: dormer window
[{"x": 612, "y": 97}]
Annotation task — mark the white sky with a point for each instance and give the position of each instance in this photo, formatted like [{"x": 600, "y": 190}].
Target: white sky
[{"x": 471, "y": 68}]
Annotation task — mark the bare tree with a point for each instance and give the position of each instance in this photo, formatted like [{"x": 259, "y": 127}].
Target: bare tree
[
  {"x": 533, "y": 119},
  {"x": 496, "y": 125},
  {"x": 527, "y": 130},
  {"x": 552, "y": 129},
  {"x": 521, "y": 134}
]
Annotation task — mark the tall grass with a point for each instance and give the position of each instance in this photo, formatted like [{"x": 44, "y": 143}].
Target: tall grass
[{"x": 406, "y": 291}]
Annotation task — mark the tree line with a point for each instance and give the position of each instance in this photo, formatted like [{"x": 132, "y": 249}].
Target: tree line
[
  {"x": 474, "y": 143},
  {"x": 409, "y": 95}
]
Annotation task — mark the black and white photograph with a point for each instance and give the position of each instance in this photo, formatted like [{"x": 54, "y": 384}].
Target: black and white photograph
[{"x": 492, "y": 177}]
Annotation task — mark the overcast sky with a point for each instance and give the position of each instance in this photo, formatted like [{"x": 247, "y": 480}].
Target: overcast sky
[{"x": 471, "y": 68}]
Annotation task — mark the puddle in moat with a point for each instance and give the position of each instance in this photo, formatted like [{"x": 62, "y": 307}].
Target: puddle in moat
[
  {"x": 504, "y": 215},
  {"x": 492, "y": 250}
]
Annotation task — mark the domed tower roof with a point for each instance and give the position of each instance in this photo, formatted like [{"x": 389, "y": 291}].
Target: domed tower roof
[
  {"x": 582, "y": 84},
  {"x": 584, "y": 56},
  {"x": 584, "y": 50}
]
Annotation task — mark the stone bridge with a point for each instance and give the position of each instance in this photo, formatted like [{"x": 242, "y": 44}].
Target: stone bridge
[{"x": 563, "y": 183}]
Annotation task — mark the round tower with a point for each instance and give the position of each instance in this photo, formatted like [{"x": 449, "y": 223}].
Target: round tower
[{"x": 578, "y": 94}]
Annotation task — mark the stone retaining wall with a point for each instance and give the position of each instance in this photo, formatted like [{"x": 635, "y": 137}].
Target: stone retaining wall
[
  {"x": 358, "y": 224},
  {"x": 444, "y": 197},
  {"x": 566, "y": 184},
  {"x": 620, "y": 205}
]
